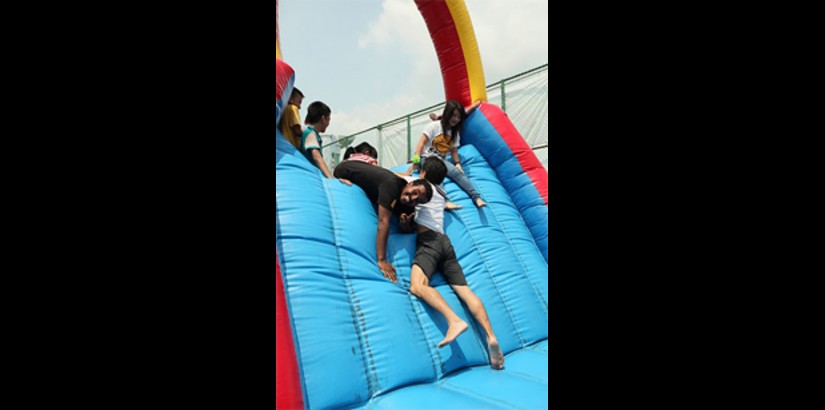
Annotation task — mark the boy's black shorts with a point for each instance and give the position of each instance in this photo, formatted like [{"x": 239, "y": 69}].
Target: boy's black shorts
[{"x": 434, "y": 252}]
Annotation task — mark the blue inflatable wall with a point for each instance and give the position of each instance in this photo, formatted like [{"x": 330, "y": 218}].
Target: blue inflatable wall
[{"x": 365, "y": 342}]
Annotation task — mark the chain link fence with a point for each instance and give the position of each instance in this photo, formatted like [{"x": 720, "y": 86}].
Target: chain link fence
[{"x": 524, "y": 97}]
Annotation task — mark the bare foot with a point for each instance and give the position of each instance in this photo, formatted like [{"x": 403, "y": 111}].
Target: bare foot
[
  {"x": 452, "y": 332},
  {"x": 450, "y": 206},
  {"x": 496, "y": 357},
  {"x": 480, "y": 203}
]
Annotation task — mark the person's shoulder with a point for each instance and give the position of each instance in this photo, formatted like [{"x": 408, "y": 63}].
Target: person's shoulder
[
  {"x": 432, "y": 127},
  {"x": 390, "y": 180},
  {"x": 294, "y": 114}
]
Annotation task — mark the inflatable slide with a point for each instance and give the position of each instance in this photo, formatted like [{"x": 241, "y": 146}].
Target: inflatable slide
[{"x": 348, "y": 338}]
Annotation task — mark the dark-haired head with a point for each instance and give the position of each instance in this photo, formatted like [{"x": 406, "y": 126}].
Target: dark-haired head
[
  {"x": 453, "y": 117},
  {"x": 296, "y": 98},
  {"x": 318, "y": 114},
  {"x": 416, "y": 193},
  {"x": 433, "y": 170},
  {"x": 366, "y": 149},
  {"x": 362, "y": 148}
]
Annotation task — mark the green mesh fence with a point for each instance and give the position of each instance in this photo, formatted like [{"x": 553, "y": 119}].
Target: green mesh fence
[{"x": 523, "y": 97}]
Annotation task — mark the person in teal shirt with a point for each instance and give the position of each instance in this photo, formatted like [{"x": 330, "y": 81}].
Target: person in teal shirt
[{"x": 317, "y": 120}]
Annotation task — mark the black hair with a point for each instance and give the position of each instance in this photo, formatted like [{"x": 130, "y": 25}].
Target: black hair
[
  {"x": 296, "y": 91},
  {"x": 451, "y": 106},
  {"x": 366, "y": 149},
  {"x": 362, "y": 148},
  {"x": 428, "y": 191},
  {"x": 315, "y": 111},
  {"x": 435, "y": 169}
]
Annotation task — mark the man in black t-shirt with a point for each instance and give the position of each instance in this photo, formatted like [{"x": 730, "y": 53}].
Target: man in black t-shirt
[{"x": 392, "y": 194}]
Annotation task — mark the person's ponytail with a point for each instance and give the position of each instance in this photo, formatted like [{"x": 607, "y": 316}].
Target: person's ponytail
[{"x": 348, "y": 153}]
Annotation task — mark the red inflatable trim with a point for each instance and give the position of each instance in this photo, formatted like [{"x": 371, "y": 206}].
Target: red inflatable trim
[
  {"x": 288, "y": 393},
  {"x": 447, "y": 43},
  {"x": 283, "y": 72},
  {"x": 525, "y": 155}
]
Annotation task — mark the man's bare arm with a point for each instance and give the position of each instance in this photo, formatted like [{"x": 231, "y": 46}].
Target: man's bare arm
[{"x": 381, "y": 243}]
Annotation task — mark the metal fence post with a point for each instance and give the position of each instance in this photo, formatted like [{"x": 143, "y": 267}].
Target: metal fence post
[
  {"x": 503, "y": 96},
  {"x": 409, "y": 139},
  {"x": 380, "y": 147}
]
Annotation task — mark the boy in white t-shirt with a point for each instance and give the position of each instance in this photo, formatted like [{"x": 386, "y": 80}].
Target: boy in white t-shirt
[{"x": 434, "y": 252}]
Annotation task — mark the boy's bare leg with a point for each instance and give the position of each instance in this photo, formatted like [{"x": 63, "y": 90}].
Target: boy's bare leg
[
  {"x": 477, "y": 309},
  {"x": 420, "y": 287}
]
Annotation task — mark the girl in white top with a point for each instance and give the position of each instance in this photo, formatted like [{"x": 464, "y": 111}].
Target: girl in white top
[{"x": 441, "y": 138}]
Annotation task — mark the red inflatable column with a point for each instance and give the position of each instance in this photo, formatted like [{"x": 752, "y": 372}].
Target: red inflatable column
[{"x": 288, "y": 393}]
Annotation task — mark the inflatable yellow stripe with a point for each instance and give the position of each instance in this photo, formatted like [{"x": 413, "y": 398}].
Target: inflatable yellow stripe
[
  {"x": 469, "y": 45},
  {"x": 277, "y": 34}
]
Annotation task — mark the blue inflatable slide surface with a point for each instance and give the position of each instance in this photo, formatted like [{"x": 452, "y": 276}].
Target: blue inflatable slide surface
[{"x": 363, "y": 342}]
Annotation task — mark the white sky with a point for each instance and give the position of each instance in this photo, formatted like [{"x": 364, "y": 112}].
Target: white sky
[{"x": 373, "y": 61}]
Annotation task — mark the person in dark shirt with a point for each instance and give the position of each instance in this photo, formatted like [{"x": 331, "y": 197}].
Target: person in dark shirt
[{"x": 392, "y": 195}]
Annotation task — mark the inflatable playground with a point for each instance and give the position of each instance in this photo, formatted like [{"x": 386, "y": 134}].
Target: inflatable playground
[{"x": 348, "y": 338}]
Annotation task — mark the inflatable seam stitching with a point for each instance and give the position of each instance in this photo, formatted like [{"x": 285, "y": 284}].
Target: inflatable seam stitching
[
  {"x": 354, "y": 302},
  {"x": 435, "y": 356},
  {"x": 483, "y": 258},
  {"x": 515, "y": 248}
]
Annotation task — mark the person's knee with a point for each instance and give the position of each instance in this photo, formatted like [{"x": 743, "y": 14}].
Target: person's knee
[
  {"x": 418, "y": 281},
  {"x": 418, "y": 288}
]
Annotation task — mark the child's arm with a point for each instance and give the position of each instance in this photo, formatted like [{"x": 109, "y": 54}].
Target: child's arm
[
  {"x": 456, "y": 159},
  {"x": 472, "y": 108},
  {"x": 420, "y": 146},
  {"x": 322, "y": 165},
  {"x": 297, "y": 132}
]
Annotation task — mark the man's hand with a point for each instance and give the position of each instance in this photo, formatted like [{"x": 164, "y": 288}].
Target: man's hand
[
  {"x": 345, "y": 181},
  {"x": 434, "y": 117},
  {"x": 387, "y": 269},
  {"x": 406, "y": 218},
  {"x": 405, "y": 222}
]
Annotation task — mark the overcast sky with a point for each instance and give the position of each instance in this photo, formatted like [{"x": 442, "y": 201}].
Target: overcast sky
[{"x": 373, "y": 61}]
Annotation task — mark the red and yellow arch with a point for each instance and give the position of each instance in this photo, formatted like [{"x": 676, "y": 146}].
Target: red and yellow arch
[
  {"x": 451, "y": 30},
  {"x": 277, "y": 33},
  {"x": 448, "y": 22}
]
